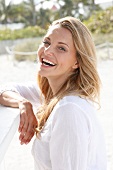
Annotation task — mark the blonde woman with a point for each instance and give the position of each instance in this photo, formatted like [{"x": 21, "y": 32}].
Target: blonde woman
[{"x": 68, "y": 135}]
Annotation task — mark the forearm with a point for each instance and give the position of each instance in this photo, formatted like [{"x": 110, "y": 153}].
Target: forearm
[
  {"x": 11, "y": 99},
  {"x": 28, "y": 121}
]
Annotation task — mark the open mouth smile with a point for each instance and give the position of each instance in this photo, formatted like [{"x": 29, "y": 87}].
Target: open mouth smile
[{"x": 47, "y": 62}]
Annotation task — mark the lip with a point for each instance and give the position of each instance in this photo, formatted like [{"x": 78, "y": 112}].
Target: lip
[{"x": 48, "y": 60}]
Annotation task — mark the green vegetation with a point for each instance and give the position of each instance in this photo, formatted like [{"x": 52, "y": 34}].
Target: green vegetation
[
  {"x": 28, "y": 32},
  {"x": 31, "y": 12},
  {"x": 99, "y": 22},
  {"x": 101, "y": 25}
]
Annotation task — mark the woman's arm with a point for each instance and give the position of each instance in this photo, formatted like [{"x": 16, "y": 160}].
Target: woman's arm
[
  {"x": 28, "y": 121},
  {"x": 28, "y": 90},
  {"x": 11, "y": 99}
]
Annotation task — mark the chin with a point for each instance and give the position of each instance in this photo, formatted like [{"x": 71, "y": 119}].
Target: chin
[{"x": 41, "y": 73}]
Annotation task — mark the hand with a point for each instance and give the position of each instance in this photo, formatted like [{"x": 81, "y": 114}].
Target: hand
[{"x": 28, "y": 122}]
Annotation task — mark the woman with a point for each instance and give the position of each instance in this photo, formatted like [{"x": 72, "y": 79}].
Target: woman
[{"x": 69, "y": 136}]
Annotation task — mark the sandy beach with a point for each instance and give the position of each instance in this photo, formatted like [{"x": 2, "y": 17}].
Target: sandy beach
[{"x": 19, "y": 157}]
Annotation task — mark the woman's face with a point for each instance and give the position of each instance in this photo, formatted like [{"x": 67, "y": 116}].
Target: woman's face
[{"x": 57, "y": 54}]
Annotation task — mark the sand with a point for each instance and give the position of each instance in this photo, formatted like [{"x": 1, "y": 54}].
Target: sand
[{"x": 19, "y": 157}]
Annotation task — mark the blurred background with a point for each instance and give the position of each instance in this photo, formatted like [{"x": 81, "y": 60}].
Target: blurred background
[
  {"x": 22, "y": 20},
  {"x": 22, "y": 26}
]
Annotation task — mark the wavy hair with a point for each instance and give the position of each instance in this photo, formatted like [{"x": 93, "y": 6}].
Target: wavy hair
[{"x": 84, "y": 81}]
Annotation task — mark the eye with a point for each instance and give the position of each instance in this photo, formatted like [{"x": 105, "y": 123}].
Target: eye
[
  {"x": 62, "y": 48},
  {"x": 46, "y": 43}
]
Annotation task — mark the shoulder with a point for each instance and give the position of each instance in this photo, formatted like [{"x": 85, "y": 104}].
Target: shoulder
[
  {"x": 74, "y": 109},
  {"x": 75, "y": 102}
]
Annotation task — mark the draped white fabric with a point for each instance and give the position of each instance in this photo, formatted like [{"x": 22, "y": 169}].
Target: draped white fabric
[
  {"x": 9, "y": 121},
  {"x": 71, "y": 138}
]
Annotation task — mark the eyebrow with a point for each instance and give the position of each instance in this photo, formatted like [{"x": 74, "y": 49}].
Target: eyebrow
[
  {"x": 58, "y": 42},
  {"x": 63, "y": 43}
]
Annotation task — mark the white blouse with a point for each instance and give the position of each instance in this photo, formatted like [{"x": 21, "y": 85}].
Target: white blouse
[
  {"x": 28, "y": 90},
  {"x": 72, "y": 138}
]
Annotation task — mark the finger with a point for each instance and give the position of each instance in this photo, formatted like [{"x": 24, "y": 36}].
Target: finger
[
  {"x": 32, "y": 124},
  {"x": 22, "y": 120},
  {"x": 24, "y": 126},
  {"x": 27, "y": 128},
  {"x": 30, "y": 137},
  {"x": 27, "y": 137},
  {"x": 24, "y": 130},
  {"x": 29, "y": 132}
]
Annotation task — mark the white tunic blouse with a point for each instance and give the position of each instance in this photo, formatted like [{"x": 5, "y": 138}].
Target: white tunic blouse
[{"x": 72, "y": 138}]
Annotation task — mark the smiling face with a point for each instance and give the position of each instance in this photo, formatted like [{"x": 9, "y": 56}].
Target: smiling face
[{"x": 57, "y": 54}]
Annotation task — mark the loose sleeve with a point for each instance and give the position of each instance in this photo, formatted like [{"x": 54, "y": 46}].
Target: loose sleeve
[
  {"x": 28, "y": 90},
  {"x": 69, "y": 139}
]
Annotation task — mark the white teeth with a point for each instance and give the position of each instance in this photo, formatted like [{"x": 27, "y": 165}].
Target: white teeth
[{"x": 47, "y": 61}]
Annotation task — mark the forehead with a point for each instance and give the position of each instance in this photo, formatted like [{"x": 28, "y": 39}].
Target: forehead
[
  {"x": 58, "y": 35},
  {"x": 60, "y": 32}
]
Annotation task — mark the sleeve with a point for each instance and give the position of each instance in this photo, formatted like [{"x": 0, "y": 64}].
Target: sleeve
[
  {"x": 69, "y": 139},
  {"x": 28, "y": 90}
]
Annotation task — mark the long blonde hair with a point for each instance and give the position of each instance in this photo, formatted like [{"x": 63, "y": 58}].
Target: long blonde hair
[{"x": 84, "y": 81}]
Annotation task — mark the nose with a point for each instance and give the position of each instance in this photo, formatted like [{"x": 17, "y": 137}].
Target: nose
[{"x": 49, "y": 50}]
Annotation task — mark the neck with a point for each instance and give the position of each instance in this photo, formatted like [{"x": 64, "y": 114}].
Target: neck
[{"x": 56, "y": 84}]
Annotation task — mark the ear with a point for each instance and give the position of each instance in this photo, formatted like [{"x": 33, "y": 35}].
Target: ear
[{"x": 75, "y": 66}]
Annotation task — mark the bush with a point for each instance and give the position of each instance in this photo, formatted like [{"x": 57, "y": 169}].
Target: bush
[
  {"x": 101, "y": 21},
  {"x": 28, "y": 32},
  {"x": 30, "y": 45},
  {"x": 5, "y": 34}
]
